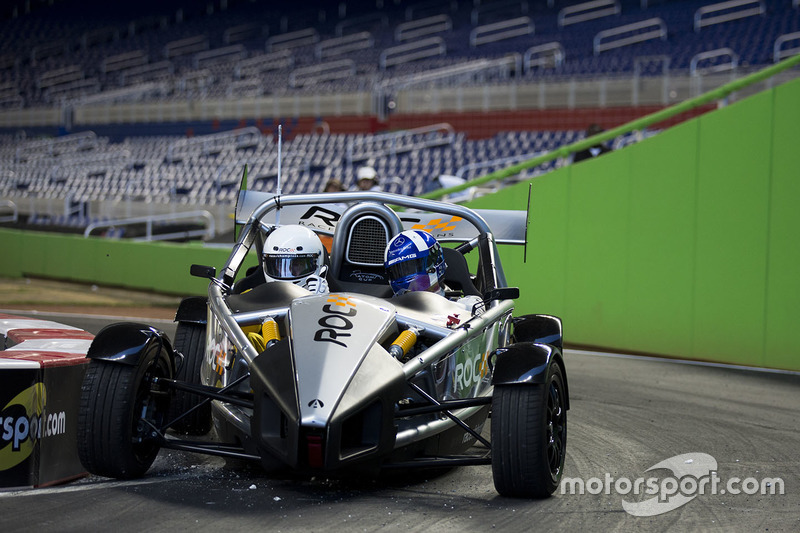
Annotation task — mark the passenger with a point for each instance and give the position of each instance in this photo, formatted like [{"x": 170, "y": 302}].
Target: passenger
[
  {"x": 295, "y": 253},
  {"x": 414, "y": 261}
]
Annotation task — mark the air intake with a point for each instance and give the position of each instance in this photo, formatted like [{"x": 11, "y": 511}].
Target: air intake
[{"x": 367, "y": 241}]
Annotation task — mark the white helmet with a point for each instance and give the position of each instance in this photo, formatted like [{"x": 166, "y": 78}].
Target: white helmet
[{"x": 293, "y": 253}]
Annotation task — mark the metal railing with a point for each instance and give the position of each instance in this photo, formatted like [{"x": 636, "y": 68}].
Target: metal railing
[
  {"x": 68, "y": 143},
  {"x": 422, "y": 28},
  {"x": 509, "y": 7},
  {"x": 630, "y": 34},
  {"x": 404, "y": 53},
  {"x": 207, "y": 144},
  {"x": 208, "y": 232},
  {"x": 748, "y": 8},
  {"x": 295, "y": 39},
  {"x": 498, "y": 31},
  {"x": 185, "y": 46},
  {"x": 332, "y": 70},
  {"x": 635, "y": 125},
  {"x": 343, "y": 45},
  {"x": 778, "y": 53},
  {"x": 398, "y": 142},
  {"x": 732, "y": 64},
  {"x": 8, "y": 204},
  {"x": 217, "y": 55},
  {"x": 588, "y": 11},
  {"x": 550, "y": 55}
]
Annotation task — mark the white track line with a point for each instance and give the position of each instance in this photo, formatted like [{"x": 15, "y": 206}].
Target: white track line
[
  {"x": 79, "y": 315},
  {"x": 97, "y": 485},
  {"x": 683, "y": 362}
]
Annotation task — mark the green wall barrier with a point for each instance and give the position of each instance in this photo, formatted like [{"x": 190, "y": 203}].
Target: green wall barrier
[
  {"x": 683, "y": 245},
  {"x": 161, "y": 267}
]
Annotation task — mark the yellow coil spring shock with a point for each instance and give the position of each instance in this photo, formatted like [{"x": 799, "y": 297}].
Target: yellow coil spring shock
[
  {"x": 403, "y": 343},
  {"x": 269, "y": 334}
]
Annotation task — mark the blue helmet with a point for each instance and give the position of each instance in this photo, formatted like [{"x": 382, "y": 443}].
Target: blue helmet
[{"x": 414, "y": 262}]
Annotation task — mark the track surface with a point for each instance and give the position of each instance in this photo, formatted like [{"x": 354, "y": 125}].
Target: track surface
[{"x": 627, "y": 414}]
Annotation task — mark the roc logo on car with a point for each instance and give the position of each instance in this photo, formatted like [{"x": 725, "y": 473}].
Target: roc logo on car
[{"x": 336, "y": 321}]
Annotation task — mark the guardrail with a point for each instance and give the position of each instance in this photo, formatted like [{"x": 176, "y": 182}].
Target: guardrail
[
  {"x": 148, "y": 221},
  {"x": 638, "y": 124}
]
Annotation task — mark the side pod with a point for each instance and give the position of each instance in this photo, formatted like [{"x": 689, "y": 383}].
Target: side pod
[
  {"x": 193, "y": 309},
  {"x": 129, "y": 343},
  {"x": 526, "y": 363},
  {"x": 543, "y": 329}
]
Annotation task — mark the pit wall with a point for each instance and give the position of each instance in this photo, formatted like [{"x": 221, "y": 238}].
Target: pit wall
[{"x": 685, "y": 244}]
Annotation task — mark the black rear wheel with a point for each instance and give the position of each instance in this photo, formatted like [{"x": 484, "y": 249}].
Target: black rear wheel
[
  {"x": 529, "y": 437},
  {"x": 120, "y": 414},
  {"x": 190, "y": 340}
]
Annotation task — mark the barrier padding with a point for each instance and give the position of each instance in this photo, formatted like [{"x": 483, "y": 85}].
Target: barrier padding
[{"x": 42, "y": 364}]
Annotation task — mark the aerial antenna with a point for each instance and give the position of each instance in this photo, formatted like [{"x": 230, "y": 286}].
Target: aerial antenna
[
  {"x": 527, "y": 221},
  {"x": 278, "y": 187}
]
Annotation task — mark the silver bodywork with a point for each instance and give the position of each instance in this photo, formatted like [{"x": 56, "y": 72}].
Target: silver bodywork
[{"x": 336, "y": 344}]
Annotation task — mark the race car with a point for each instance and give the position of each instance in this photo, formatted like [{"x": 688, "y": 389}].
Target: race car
[{"x": 355, "y": 379}]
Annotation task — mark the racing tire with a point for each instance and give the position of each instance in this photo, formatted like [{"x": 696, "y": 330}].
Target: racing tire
[
  {"x": 529, "y": 437},
  {"x": 114, "y": 439},
  {"x": 190, "y": 340}
]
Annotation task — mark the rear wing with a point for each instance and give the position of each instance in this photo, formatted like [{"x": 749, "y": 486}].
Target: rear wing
[{"x": 323, "y": 212}]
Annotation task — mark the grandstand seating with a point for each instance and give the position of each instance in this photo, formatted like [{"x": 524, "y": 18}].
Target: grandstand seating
[
  {"x": 208, "y": 169},
  {"x": 72, "y": 50},
  {"x": 67, "y": 53}
]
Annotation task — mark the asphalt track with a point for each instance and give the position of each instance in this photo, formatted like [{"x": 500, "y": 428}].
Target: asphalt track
[{"x": 628, "y": 414}]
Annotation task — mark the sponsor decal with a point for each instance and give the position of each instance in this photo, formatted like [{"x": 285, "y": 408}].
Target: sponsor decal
[
  {"x": 470, "y": 371},
  {"x": 402, "y": 258},
  {"x": 437, "y": 226},
  {"x": 366, "y": 277},
  {"x": 319, "y": 217},
  {"x": 23, "y": 421},
  {"x": 316, "y": 403},
  {"x": 336, "y": 322}
]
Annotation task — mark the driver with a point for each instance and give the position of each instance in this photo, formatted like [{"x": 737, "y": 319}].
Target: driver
[
  {"x": 295, "y": 253},
  {"x": 414, "y": 261}
]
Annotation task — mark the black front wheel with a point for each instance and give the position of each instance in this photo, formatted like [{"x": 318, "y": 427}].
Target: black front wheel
[
  {"x": 194, "y": 412},
  {"x": 121, "y": 413},
  {"x": 529, "y": 436}
]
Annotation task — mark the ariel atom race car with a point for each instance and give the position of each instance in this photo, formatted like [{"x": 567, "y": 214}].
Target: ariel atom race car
[{"x": 351, "y": 380}]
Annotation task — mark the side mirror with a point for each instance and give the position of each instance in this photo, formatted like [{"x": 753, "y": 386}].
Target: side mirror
[
  {"x": 504, "y": 293},
  {"x": 202, "y": 271}
]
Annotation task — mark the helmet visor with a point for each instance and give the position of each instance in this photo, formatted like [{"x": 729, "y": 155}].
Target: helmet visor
[{"x": 290, "y": 266}]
